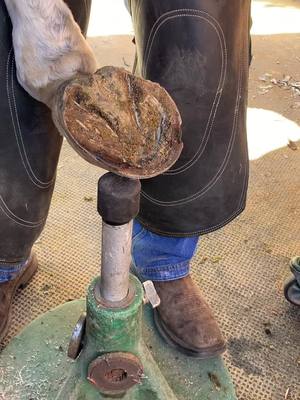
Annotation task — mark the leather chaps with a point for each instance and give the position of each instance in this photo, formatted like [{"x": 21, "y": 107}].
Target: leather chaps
[
  {"x": 29, "y": 151},
  {"x": 199, "y": 51}
]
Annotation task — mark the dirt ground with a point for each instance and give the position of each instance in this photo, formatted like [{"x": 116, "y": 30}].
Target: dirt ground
[{"x": 276, "y": 56}]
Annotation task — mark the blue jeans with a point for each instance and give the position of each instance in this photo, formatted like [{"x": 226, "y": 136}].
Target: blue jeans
[
  {"x": 11, "y": 271},
  {"x": 161, "y": 258}
]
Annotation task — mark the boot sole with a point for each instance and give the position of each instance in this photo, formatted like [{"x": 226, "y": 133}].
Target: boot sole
[
  {"x": 24, "y": 280},
  {"x": 178, "y": 344}
]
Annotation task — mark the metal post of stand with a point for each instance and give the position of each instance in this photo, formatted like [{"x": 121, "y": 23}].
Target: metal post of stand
[{"x": 118, "y": 204}]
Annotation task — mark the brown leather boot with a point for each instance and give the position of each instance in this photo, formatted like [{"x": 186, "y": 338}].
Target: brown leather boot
[
  {"x": 8, "y": 290},
  {"x": 185, "y": 320}
]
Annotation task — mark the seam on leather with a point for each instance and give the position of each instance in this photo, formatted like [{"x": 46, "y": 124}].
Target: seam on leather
[
  {"x": 243, "y": 194},
  {"x": 28, "y": 224},
  {"x": 245, "y": 64},
  {"x": 215, "y": 104},
  {"x": 17, "y": 130},
  {"x": 193, "y": 233},
  {"x": 217, "y": 176},
  {"x": 177, "y": 12},
  {"x": 212, "y": 115},
  {"x": 46, "y": 184}
]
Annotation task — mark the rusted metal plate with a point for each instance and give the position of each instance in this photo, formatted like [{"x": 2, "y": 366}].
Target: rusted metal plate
[{"x": 115, "y": 373}]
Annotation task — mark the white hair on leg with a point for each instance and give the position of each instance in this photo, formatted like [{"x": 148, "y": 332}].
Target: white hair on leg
[{"x": 48, "y": 44}]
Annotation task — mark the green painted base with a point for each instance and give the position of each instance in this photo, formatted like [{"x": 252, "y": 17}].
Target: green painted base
[{"x": 35, "y": 367}]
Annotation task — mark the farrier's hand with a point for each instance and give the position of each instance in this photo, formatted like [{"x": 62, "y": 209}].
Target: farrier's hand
[{"x": 48, "y": 44}]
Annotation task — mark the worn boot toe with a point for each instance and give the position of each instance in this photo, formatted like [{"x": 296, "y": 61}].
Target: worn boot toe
[
  {"x": 185, "y": 320},
  {"x": 8, "y": 290}
]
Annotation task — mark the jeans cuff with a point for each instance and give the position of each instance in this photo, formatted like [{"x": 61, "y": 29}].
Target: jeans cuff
[
  {"x": 9, "y": 272},
  {"x": 162, "y": 273}
]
